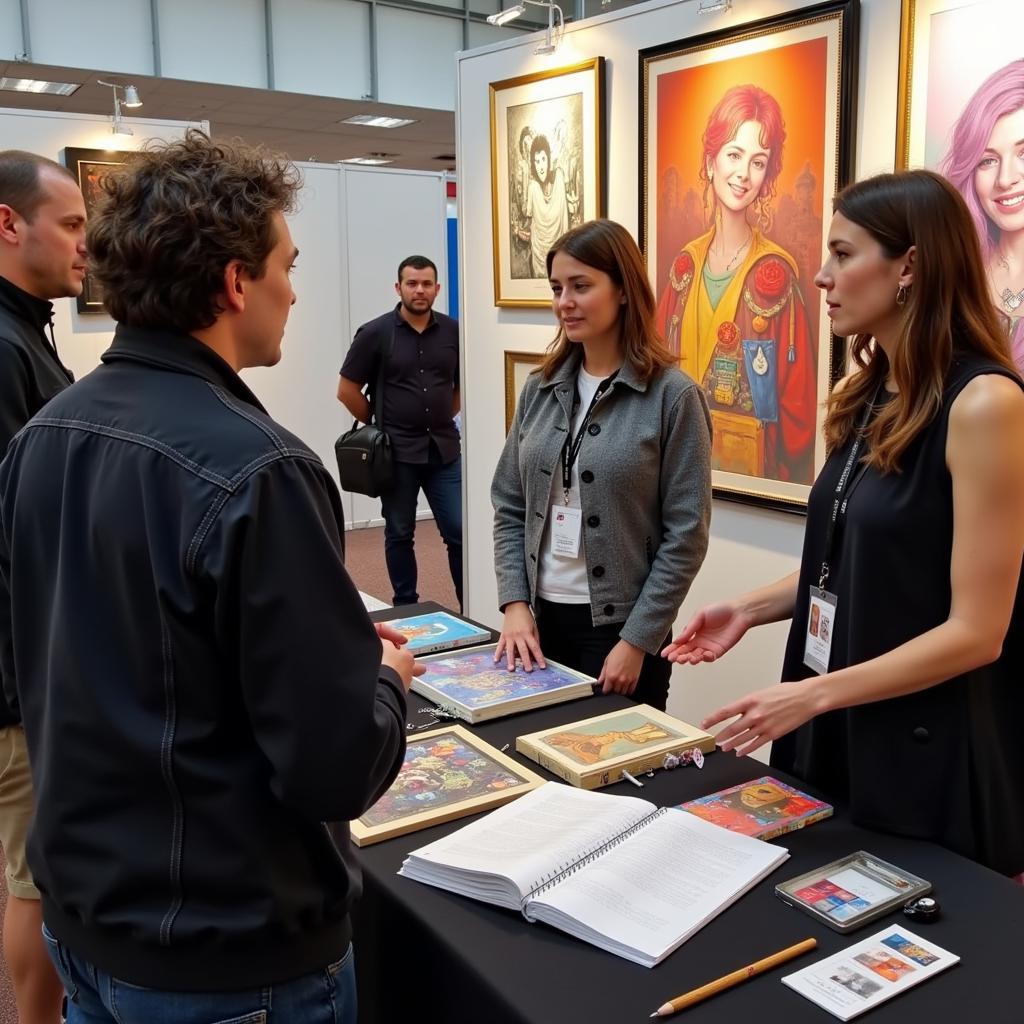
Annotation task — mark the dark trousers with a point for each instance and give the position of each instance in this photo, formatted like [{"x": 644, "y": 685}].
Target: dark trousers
[
  {"x": 568, "y": 635},
  {"x": 442, "y": 485}
]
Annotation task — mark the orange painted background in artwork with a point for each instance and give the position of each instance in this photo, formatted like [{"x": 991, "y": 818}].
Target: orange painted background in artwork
[{"x": 795, "y": 75}]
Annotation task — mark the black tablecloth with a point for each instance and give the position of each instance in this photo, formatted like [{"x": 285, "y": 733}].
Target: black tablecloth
[{"x": 426, "y": 955}]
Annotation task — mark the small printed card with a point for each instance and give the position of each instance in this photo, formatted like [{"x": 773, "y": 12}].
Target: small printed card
[{"x": 868, "y": 973}]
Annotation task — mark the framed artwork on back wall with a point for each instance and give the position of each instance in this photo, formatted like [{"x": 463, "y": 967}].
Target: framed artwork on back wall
[
  {"x": 961, "y": 113},
  {"x": 547, "y": 161},
  {"x": 746, "y": 136},
  {"x": 89, "y": 166}
]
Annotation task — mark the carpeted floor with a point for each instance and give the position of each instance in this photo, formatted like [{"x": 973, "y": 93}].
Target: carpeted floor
[{"x": 364, "y": 556}]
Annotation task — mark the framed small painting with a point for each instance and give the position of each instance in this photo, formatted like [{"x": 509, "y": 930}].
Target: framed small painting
[
  {"x": 961, "y": 113},
  {"x": 746, "y": 136},
  {"x": 518, "y": 366},
  {"x": 89, "y": 166},
  {"x": 547, "y": 159},
  {"x": 447, "y": 774},
  {"x": 596, "y": 751}
]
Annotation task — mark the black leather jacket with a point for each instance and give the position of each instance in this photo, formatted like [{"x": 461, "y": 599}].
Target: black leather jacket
[{"x": 200, "y": 685}]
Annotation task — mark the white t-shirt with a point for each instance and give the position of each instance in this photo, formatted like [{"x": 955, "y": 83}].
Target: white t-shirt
[{"x": 560, "y": 578}]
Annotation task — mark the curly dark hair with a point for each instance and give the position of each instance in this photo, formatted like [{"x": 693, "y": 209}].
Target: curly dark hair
[{"x": 169, "y": 223}]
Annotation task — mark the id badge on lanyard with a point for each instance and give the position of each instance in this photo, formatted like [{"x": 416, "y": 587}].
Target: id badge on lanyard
[
  {"x": 821, "y": 619},
  {"x": 566, "y": 529},
  {"x": 823, "y": 605}
]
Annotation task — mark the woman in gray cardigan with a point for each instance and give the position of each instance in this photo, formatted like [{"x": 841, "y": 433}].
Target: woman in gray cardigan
[{"x": 602, "y": 495}]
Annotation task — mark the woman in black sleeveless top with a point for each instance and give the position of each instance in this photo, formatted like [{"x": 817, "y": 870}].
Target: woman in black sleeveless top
[{"x": 916, "y": 722}]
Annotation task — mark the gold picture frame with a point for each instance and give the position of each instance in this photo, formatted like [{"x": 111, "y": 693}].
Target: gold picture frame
[
  {"x": 447, "y": 773},
  {"x": 547, "y": 171},
  {"x": 518, "y": 366},
  {"x": 595, "y": 752}
]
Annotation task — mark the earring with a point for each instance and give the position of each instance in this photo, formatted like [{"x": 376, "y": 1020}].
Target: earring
[
  {"x": 901, "y": 295},
  {"x": 711, "y": 175}
]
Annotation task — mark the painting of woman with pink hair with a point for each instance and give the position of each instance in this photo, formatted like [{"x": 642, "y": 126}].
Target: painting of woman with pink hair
[{"x": 985, "y": 162}]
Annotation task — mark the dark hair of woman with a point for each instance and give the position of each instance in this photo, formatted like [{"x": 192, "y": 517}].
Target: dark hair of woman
[
  {"x": 948, "y": 309},
  {"x": 609, "y": 247}
]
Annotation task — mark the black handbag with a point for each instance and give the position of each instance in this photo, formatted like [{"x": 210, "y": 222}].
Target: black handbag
[{"x": 365, "y": 460}]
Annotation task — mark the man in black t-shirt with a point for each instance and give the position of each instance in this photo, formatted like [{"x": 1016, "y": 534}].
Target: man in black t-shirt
[{"x": 421, "y": 396}]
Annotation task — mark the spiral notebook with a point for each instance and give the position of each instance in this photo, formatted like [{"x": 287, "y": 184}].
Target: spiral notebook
[{"x": 615, "y": 871}]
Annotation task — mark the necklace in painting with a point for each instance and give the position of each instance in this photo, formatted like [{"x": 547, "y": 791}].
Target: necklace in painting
[{"x": 1012, "y": 300}]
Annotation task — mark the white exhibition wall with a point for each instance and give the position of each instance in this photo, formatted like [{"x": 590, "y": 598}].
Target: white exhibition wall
[
  {"x": 749, "y": 547},
  {"x": 352, "y": 228}
]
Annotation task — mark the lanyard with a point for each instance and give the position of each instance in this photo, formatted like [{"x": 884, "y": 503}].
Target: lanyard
[
  {"x": 845, "y": 487},
  {"x": 571, "y": 449}
]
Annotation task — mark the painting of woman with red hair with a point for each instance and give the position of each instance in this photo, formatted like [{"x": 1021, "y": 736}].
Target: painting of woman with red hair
[
  {"x": 746, "y": 137},
  {"x": 733, "y": 307}
]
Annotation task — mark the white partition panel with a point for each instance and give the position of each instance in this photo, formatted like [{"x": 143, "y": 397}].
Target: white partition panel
[
  {"x": 749, "y": 547},
  {"x": 300, "y": 391},
  {"x": 388, "y": 215}
]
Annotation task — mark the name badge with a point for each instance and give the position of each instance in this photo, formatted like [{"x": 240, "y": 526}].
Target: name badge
[
  {"x": 566, "y": 526},
  {"x": 821, "y": 620}
]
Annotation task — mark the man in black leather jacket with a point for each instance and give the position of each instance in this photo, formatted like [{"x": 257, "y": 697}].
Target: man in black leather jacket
[
  {"x": 200, "y": 685},
  {"x": 42, "y": 257}
]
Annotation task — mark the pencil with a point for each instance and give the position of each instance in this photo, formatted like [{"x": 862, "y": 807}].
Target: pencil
[{"x": 714, "y": 987}]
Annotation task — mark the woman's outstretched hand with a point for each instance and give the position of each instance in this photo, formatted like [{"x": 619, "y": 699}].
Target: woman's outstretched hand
[{"x": 708, "y": 635}]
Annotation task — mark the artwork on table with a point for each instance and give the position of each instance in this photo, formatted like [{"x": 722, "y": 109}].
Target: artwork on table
[
  {"x": 447, "y": 773},
  {"x": 961, "y": 113},
  {"x": 763, "y": 808},
  {"x": 89, "y": 166},
  {"x": 596, "y": 751},
  {"x": 746, "y": 136},
  {"x": 437, "y": 631},
  {"x": 547, "y": 156},
  {"x": 477, "y": 688},
  {"x": 518, "y": 366}
]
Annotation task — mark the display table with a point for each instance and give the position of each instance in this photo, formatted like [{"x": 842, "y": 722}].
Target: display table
[{"x": 429, "y": 956}]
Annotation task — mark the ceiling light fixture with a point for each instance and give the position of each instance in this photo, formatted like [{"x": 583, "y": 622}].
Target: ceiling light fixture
[
  {"x": 131, "y": 100},
  {"x": 369, "y": 161},
  {"x": 714, "y": 6},
  {"x": 38, "y": 86},
  {"x": 378, "y": 121},
  {"x": 554, "y": 32}
]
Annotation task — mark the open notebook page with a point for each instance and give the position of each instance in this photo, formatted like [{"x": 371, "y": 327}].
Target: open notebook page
[
  {"x": 524, "y": 842},
  {"x": 647, "y": 895}
]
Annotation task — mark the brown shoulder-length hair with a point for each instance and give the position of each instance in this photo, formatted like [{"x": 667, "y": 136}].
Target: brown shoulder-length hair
[
  {"x": 609, "y": 247},
  {"x": 169, "y": 223},
  {"x": 948, "y": 310}
]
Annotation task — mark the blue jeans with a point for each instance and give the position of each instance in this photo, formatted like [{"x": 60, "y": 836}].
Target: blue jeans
[
  {"x": 442, "y": 485},
  {"x": 94, "y": 997}
]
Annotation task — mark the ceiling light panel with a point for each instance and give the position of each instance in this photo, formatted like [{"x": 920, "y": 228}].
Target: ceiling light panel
[{"x": 38, "y": 86}]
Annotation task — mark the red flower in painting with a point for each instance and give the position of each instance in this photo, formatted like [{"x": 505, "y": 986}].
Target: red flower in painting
[
  {"x": 682, "y": 265},
  {"x": 771, "y": 277}
]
